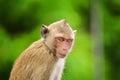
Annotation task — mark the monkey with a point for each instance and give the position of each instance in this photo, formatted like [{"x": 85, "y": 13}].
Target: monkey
[{"x": 45, "y": 58}]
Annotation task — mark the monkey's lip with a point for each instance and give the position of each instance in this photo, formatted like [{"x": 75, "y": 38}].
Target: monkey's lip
[{"x": 62, "y": 55}]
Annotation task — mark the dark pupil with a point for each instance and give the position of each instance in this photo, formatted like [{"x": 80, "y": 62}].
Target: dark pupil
[{"x": 61, "y": 39}]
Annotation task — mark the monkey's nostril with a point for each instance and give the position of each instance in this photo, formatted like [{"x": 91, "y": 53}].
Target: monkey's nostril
[{"x": 64, "y": 49}]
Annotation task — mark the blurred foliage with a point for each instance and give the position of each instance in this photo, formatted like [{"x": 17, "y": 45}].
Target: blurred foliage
[
  {"x": 20, "y": 22},
  {"x": 111, "y": 37}
]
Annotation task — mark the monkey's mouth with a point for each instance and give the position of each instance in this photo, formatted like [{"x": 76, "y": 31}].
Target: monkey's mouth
[{"x": 61, "y": 55}]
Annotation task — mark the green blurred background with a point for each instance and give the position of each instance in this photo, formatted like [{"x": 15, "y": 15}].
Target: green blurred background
[{"x": 21, "y": 20}]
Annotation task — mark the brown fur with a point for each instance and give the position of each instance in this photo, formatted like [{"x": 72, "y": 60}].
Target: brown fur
[
  {"x": 42, "y": 60},
  {"x": 27, "y": 67}
]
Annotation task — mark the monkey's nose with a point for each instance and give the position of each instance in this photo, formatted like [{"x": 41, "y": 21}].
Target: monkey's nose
[{"x": 64, "y": 49}]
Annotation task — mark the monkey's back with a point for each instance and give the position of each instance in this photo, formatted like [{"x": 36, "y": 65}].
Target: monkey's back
[{"x": 35, "y": 63}]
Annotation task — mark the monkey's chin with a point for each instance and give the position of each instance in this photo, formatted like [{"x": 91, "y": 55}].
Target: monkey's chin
[{"x": 61, "y": 55}]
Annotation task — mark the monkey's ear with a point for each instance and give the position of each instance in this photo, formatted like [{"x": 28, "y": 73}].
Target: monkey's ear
[
  {"x": 64, "y": 21},
  {"x": 75, "y": 31},
  {"x": 44, "y": 31}
]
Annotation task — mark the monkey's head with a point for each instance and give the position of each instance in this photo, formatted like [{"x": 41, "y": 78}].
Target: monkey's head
[{"x": 59, "y": 37}]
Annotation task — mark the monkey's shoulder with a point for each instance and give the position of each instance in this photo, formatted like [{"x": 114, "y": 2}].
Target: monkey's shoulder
[
  {"x": 34, "y": 51},
  {"x": 36, "y": 45}
]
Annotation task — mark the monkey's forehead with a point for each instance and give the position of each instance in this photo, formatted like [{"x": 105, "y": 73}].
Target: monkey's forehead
[
  {"x": 63, "y": 30},
  {"x": 61, "y": 26},
  {"x": 67, "y": 36}
]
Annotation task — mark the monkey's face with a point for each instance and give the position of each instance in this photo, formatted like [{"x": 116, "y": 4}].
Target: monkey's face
[
  {"x": 63, "y": 46},
  {"x": 59, "y": 37}
]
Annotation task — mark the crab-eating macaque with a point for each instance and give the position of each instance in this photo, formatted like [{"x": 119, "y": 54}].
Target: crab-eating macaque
[{"x": 45, "y": 58}]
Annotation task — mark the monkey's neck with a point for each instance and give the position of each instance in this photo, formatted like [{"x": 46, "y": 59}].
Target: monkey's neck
[
  {"x": 48, "y": 46},
  {"x": 57, "y": 70}
]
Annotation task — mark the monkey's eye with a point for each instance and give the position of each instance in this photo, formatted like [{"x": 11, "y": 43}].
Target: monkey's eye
[
  {"x": 61, "y": 39},
  {"x": 69, "y": 40}
]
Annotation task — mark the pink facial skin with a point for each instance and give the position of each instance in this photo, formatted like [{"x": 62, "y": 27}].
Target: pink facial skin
[{"x": 63, "y": 46}]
